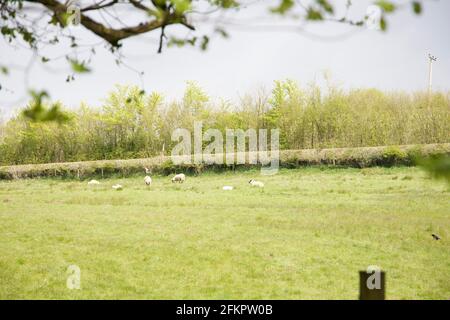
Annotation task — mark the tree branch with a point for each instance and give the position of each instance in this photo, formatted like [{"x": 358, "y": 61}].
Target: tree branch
[
  {"x": 99, "y": 6},
  {"x": 139, "y": 5},
  {"x": 111, "y": 35}
]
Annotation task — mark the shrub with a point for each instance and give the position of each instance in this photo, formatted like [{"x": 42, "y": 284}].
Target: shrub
[{"x": 393, "y": 155}]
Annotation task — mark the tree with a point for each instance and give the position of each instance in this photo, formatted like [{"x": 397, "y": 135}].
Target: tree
[
  {"x": 40, "y": 23},
  {"x": 26, "y": 18}
]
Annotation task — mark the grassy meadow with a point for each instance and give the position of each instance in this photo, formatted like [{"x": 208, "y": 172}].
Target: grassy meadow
[{"x": 304, "y": 236}]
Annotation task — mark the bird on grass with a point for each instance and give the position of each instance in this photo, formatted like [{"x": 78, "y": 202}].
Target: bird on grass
[{"x": 435, "y": 236}]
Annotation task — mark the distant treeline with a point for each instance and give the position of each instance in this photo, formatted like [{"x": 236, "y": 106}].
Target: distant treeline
[{"x": 134, "y": 124}]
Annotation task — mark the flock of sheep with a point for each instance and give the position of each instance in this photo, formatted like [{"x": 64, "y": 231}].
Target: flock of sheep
[{"x": 180, "y": 178}]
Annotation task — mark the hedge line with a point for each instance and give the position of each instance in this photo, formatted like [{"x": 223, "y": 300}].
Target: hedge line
[{"x": 344, "y": 157}]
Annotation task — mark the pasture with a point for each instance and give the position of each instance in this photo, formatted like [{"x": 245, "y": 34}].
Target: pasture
[{"x": 304, "y": 236}]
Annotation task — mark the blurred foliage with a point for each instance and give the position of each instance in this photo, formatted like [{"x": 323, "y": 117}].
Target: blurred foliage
[
  {"x": 438, "y": 166},
  {"x": 283, "y": 7},
  {"x": 417, "y": 7},
  {"x": 38, "y": 112},
  {"x": 79, "y": 67},
  {"x": 15, "y": 26}
]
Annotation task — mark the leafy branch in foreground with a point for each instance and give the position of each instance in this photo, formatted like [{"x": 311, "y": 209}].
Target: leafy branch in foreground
[
  {"x": 438, "y": 166},
  {"x": 38, "y": 112},
  {"x": 43, "y": 23},
  {"x": 27, "y": 19}
]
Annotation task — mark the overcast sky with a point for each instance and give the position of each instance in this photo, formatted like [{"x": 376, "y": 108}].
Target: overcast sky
[{"x": 254, "y": 56}]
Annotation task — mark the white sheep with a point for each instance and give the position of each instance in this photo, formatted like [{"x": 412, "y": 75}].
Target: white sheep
[
  {"x": 257, "y": 184},
  {"x": 148, "y": 180},
  {"x": 93, "y": 183},
  {"x": 179, "y": 178},
  {"x": 117, "y": 187},
  {"x": 226, "y": 188}
]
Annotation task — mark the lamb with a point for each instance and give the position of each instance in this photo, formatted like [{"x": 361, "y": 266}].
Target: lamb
[
  {"x": 117, "y": 187},
  {"x": 257, "y": 184},
  {"x": 148, "y": 180},
  {"x": 93, "y": 183},
  {"x": 179, "y": 178}
]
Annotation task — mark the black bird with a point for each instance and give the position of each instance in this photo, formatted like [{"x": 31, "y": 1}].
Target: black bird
[{"x": 435, "y": 236}]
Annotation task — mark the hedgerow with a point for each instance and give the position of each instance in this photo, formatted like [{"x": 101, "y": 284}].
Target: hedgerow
[{"x": 341, "y": 157}]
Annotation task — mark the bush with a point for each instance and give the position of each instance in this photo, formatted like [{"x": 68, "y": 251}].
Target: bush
[{"x": 394, "y": 156}]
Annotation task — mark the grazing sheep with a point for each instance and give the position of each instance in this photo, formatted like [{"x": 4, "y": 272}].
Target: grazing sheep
[
  {"x": 117, "y": 187},
  {"x": 148, "y": 180},
  {"x": 147, "y": 170},
  {"x": 257, "y": 184},
  {"x": 93, "y": 183},
  {"x": 227, "y": 188},
  {"x": 179, "y": 178}
]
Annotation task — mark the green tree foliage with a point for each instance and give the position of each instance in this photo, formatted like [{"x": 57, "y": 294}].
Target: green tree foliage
[{"x": 134, "y": 124}]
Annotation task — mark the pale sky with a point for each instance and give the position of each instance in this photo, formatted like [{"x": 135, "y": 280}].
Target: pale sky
[{"x": 253, "y": 57}]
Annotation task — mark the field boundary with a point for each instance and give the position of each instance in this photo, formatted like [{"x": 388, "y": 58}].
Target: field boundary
[{"x": 344, "y": 157}]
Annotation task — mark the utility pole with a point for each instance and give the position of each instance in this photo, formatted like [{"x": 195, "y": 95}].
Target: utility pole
[{"x": 430, "y": 72}]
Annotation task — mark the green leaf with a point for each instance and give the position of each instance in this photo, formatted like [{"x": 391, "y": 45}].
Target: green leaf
[
  {"x": 226, "y": 4},
  {"x": 314, "y": 14},
  {"x": 173, "y": 41},
  {"x": 222, "y": 32},
  {"x": 204, "y": 44},
  {"x": 63, "y": 19},
  {"x": 325, "y": 5},
  {"x": 38, "y": 96},
  {"x": 181, "y": 6},
  {"x": 4, "y": 70},
  {"x": 7, "y": 31},
  {"x": 383, "y": 24},
  {"x": 387, "y": 6},
  {"x": 417, "y": 7},
  {"x": 283, "y": 7},
  {"x": 79, "y": 67}
]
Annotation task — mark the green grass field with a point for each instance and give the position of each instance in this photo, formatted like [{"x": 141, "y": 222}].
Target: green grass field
[{"x": 305, "y": 236}]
